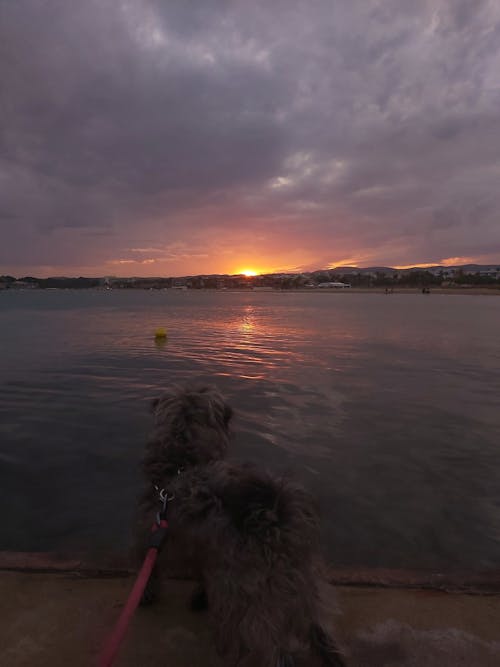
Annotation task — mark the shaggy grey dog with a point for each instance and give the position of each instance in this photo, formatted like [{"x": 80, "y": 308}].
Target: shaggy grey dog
[{"x": 251, "y": 539}]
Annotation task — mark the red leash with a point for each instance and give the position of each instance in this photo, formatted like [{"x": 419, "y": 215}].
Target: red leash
[{"x": 159, "y": 532}]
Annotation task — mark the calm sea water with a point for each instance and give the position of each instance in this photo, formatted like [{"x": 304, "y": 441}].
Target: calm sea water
[{"x": 385, "y": 406}]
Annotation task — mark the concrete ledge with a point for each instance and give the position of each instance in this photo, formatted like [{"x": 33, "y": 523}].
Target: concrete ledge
[
  {"x": 56, "y": 618},
  {"x": 486, "y": 583},
  {"x": 481, "y": 583},
  {"x": 41, "y": 562}
]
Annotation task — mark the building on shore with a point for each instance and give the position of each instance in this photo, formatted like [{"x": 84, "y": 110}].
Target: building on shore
[{"x": 335, "y": 285}]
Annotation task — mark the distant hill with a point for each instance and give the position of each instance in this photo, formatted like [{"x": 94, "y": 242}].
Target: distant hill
[{"x": 472, "y": 268}]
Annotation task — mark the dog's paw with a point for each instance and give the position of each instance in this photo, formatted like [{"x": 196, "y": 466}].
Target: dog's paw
[
  {"x": 149, "y": 595},
  {"x": 199, "y": 600}
]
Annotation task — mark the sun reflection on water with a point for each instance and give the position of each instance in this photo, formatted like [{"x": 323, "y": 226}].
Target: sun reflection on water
[{"x": 247, "y": 324}]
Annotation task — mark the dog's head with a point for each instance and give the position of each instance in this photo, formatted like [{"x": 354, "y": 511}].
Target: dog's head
[{"x": 191, "y": 426}]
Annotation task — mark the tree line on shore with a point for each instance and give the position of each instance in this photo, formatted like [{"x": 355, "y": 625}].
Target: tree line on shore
[
  {"x": 405, "y": 278},
  {"x": 50, "y": 283}
]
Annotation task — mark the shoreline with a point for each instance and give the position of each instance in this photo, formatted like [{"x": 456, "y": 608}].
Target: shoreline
[
  {"x": 454, "y": 291},
  {"x": 468, "y": 291}
]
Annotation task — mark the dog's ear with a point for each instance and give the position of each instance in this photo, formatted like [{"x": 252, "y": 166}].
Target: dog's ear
[{"x": 154, "y": 404}]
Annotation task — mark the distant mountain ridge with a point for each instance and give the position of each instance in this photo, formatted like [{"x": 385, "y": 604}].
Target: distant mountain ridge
[{"x": 436, "y": 267}]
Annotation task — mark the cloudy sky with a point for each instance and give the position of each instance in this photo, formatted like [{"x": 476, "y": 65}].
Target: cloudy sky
[{"x": 146, "y": 137}]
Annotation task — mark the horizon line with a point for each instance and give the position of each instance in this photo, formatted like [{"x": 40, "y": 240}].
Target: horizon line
[{"x": 268, "y": 273}]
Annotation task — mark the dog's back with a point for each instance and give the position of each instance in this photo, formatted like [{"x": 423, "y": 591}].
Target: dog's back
[
  {"x": 248, "y": 507},
  {"x": 264, "y": 511},
  {"x": 258, "y": 540}
]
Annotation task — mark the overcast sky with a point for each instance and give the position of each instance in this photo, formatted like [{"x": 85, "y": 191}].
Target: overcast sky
[{"x": 150, "y": 137}]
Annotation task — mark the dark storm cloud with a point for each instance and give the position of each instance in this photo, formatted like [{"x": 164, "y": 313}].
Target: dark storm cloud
[{"x": 368, "y": 128}]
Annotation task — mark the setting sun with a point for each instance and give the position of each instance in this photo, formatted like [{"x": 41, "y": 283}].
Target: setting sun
[{"x": 249, "y": 272}]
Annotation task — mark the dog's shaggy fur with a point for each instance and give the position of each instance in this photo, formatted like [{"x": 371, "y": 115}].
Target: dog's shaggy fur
[{"x": 250, "y": 538}]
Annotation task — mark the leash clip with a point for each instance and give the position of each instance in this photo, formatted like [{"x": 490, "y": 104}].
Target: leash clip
[{"x": 165, "y": 497}]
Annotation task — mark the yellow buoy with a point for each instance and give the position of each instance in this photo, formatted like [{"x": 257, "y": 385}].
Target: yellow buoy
[{"x": 160, "y": 334}]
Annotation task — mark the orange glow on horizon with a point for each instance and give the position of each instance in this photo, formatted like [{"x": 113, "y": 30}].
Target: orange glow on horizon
[
  {"x": 448, "y": 261},
  {"x": 416, "y": 266},
  {"x": 248, "y": 272}
]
